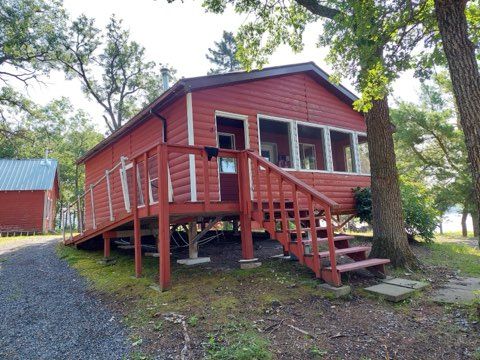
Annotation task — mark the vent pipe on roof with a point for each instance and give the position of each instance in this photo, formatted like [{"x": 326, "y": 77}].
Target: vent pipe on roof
[{"x": 165, "y": 78}]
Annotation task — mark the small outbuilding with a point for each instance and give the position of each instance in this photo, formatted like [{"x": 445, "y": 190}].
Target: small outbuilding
[{"x": 29, "y": 191}]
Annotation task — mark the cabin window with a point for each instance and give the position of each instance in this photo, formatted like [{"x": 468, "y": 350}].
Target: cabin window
[
  {"x": 275, "y": 144},
  {"x": 311, "y": 147},
  {"x": 342, "y": 151},
  {"x": 227, "y": 165},
  {"x": 363, "y": 159}
]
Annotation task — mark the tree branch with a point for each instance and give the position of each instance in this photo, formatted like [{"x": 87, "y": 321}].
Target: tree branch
[{"x": 318, "y": 9}]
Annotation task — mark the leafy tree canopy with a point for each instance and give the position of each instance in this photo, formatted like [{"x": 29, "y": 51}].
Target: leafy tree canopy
[
  {"x": 370, "y": 41},
  {"x": 112, "y": 68},
  {"x": 64, "y": 132},
  {"x": 30, "y": 33},
  {"x": 430, "y": 144}
]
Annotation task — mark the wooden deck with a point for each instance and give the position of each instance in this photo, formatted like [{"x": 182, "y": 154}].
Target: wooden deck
[{"x": 294, "y": 213}]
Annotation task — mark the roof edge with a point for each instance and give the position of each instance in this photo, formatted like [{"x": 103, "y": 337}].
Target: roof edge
[{"x": 208, "y": 81}]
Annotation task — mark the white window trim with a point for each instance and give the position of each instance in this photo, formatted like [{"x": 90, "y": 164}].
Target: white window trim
[
  {"x": 230, "y": 135},
  {"x": 294, "y": 143},
  {"x": 292, "y": 135},
  {"x": 314, "y": 153}
]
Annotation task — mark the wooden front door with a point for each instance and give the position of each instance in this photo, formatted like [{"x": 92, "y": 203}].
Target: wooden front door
[{"x": 230, "y": 135}]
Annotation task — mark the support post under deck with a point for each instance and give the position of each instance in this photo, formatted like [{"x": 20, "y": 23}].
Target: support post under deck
[
  {"x": 107, "y": 236},
  {"x": 192, "y": 242},
  {"x": 245, "y": 207}
]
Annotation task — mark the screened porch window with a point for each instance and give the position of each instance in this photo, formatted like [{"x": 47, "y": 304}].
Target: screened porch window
[
  {"x": 312, "y": 147},
  {"x": 227, "y": 165},
  {"x": 342, "y": 151},
  {"x": 363, "y": 158},
  {"x": 275, "y": 143}
]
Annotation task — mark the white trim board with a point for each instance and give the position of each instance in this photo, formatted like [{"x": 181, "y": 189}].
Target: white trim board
[{"x": 191, "y": 141}]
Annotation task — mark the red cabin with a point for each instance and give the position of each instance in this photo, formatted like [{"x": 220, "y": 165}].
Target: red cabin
[
  {"x": 28, "y": 196},
  {"x": 280, "y": 147}
]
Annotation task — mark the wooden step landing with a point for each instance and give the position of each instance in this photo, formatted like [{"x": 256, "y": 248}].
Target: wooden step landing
[
  {"x": 345, "y": 251},
  {"x": 363, "y": 264},
  {"x": 335, "y": 238},
  {"x": 306, "y": 229}
]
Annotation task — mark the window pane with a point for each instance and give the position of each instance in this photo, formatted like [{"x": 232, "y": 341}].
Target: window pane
[
  {"x": 226, "y": 141},
  {"x": 363, "y": 155},
  {"x": 275, "y": 142},
  {"x": 312, "y": 154},
  {"x": 228, "y": 166},
  {"x": 342, "y": 156}
]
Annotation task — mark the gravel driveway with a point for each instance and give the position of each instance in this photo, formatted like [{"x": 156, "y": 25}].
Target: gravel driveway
[{"x": 46, "y": 311}]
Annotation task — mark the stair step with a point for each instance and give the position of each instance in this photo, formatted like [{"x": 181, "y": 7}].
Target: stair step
[
  {"x": 359, "y": 265},
  {"x": 345, "y": 251},
  {"x": 307, "y": 229},
  {"x": 335, "y": 238}
]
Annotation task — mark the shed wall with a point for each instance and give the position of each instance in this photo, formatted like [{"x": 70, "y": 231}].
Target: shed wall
[{"x": 21, "y": 211}]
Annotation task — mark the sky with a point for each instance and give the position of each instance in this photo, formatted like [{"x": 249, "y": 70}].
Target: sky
[{"x": 179, "y": 34}]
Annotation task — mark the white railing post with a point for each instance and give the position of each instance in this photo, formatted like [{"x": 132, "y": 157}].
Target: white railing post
[
  {"x": 80, "y": 211},
  {"x": 109, "y": 194},
  {"x": 123, "y": 178},
  {"x": 94, "y": 224}
]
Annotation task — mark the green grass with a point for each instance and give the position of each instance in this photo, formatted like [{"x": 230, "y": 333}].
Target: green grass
[
  {"x": 239, "y": 342},
  {"x": 9, "y": 239},
  {"x": 215, "y": 301},
  {"x": 456, "y": 256}
]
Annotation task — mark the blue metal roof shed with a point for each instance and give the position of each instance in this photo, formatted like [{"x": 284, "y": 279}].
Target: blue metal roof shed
[{"x": 27, "y": 174}]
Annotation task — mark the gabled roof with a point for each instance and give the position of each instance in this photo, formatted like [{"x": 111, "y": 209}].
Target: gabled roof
[
  {"x": 186, "y": 85},
  {"x": 27, "y": 174}
]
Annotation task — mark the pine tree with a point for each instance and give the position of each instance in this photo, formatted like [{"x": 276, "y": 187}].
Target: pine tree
[{"x": 223, "y": 55}]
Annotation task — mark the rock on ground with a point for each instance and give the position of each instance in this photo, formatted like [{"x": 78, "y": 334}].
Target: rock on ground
[{"x": 46, "y": 311}]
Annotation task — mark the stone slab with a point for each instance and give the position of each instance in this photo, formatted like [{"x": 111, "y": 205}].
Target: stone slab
[
  {"x": 246, "y": 261},
  {"x": 407, "y": 283},
  {"x": 337, "y": 291},
  {"x": 196, "y": 261},
  {"x": 390, "y": 292},
  {"x": 460, "y": 290},
  {"x": 250, "y": 265}
]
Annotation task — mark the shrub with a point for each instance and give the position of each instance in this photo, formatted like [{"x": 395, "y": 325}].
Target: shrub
[{"x": 420, "y": 215}]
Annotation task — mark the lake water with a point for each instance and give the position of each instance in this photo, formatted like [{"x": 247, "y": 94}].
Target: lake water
[{"x": 452, "y": 222}]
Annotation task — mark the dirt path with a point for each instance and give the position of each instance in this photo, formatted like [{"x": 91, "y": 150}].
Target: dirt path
[{"x": 46, "y": 311}]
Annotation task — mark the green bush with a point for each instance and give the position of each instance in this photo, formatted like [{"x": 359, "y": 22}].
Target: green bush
[{"x": 420, "y": 215}]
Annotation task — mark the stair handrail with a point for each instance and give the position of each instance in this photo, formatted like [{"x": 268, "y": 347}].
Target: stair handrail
[
  {"x": 312, "y": 196},
  {"x": 303, "y": 187}
]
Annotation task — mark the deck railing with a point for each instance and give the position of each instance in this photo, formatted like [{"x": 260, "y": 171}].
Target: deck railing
[
  {"x": 291, "y": 190},
  {"x": 150, "y": 173}
]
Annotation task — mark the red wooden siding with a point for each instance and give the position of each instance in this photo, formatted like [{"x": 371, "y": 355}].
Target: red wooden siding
[
  {"x": 139, "y": 139},
  {"x": 295, "y": 97},
  {"x": 22, "y": 210}
]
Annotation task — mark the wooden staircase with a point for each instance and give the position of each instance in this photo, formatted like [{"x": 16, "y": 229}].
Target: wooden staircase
[{"x": 303, "y": 225}]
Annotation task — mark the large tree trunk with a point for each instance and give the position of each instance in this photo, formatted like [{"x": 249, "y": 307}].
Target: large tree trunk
[
  {"x": 464, "y": 222},
  {"x": 476, "y": 223},
  {"x": 462, "y": 63},
  {"x": 389, "y": 236}
]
